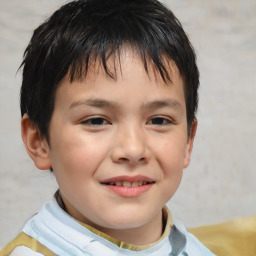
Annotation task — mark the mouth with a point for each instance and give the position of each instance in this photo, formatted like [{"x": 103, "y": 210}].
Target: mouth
[{"x": 126, "y": 186}]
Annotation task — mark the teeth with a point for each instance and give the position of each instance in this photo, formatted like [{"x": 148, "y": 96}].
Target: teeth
[
  {"x": 119, "y": 183},
  {"x": 135, "y": 184},
  {"x": 128, "y": 183}
]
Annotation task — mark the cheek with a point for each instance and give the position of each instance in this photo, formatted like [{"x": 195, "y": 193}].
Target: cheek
[
  {"x": 172, "y": 160},
  {"x": 171, "y": 153},
  {"x": 76, "y": 157}
]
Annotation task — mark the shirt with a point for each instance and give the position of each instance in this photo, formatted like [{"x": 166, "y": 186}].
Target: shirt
[{"x": 53, "y": 232}]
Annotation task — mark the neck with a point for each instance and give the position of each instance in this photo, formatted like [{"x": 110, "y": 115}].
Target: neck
[
  {"x": 146, "y": 234},
  {"x": 143, "y": 235}
]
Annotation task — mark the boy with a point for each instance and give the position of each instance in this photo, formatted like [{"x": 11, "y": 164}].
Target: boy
[{"x": 108, "y": 103}]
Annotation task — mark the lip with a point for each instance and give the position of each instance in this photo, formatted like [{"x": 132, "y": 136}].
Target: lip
[
  {"x": 129, "y": 192},
  {"x": 128, "y": 178}
]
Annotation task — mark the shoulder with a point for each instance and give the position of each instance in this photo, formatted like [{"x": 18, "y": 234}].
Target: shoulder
[
  {"x": 24, "y": 245},
  {"x": 193, "y": 245},
  {"x": 23, "y": 250}
]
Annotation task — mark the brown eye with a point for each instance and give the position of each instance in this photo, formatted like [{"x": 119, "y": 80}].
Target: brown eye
[
  {"x": 159, "y": 121},
  {"x": 95, "y": 121}
]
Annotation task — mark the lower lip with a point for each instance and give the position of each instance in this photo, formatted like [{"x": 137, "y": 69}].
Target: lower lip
[{"x": 129, "y": 191}]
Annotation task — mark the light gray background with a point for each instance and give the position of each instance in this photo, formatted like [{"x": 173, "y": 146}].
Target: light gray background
[{"x": 220, "y": 182}]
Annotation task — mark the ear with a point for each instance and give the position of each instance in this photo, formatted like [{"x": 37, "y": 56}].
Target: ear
[
  {"x": 37, "y": 147},
  {"x": 190, "y": 142}
]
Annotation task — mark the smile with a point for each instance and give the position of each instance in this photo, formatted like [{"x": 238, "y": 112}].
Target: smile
[
  {"x": 126, "y": 186},
  {"x": 128, "y": 183}
]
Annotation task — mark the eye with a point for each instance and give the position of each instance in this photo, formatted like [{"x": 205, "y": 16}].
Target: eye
[
  {"x": 95, "y": 121},
  {"x": 158, "y": 120}
]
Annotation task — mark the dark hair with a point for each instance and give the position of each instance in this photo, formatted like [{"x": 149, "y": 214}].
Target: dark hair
[{"x": 84, "y": 31}]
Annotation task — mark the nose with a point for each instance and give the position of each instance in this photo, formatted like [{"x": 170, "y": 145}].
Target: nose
[{"x": 130, "y": 146}]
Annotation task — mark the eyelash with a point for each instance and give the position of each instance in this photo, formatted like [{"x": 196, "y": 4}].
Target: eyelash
[
  {"x": 164, "y": 121},
  {"x": 99, "y": 121}
]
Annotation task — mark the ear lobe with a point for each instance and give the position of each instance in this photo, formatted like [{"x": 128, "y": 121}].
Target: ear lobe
[
  {"x": 190, "y": 142},
  {"x": 36, "y": 146}
]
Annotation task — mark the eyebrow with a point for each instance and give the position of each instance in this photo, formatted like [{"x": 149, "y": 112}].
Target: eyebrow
[
  {"x": 99, "y": 103},
  {"x": 171, "y": 103}
]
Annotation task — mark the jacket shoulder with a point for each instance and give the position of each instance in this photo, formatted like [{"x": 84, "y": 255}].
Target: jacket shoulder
[
  {"x": 23, "y": 250},
  {"x": 24, "y": 244}
]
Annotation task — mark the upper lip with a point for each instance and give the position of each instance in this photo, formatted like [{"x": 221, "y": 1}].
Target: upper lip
[{"x": 129, "y": 178}]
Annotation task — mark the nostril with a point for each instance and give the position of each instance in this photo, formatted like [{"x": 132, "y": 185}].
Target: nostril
[
  {"x": 131, "y": 160},
  {"x": 142, "y": 159},
  {"x": 123, "y": 159},
  {"x": 130, "y": 153}
]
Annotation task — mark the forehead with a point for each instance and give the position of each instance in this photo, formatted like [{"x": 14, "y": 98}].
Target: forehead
[
  {"x": 112, "y": 65},
  {"x": 130, "y": 79}
]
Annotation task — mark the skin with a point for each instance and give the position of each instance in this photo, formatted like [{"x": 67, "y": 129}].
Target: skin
[{"x": 103, "y": 128}]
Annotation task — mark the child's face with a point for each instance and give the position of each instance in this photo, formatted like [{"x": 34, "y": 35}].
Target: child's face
[{"x": 118, "y": 148}]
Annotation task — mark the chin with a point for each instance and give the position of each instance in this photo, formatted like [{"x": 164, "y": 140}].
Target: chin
[{"x": 127, "y": 221}]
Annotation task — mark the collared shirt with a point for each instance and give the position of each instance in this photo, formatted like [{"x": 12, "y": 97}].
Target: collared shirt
[{"x": 53, "y": 232}]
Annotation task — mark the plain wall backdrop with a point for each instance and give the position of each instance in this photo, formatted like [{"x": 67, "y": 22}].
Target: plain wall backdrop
[{"x": 220, "y": 181}]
